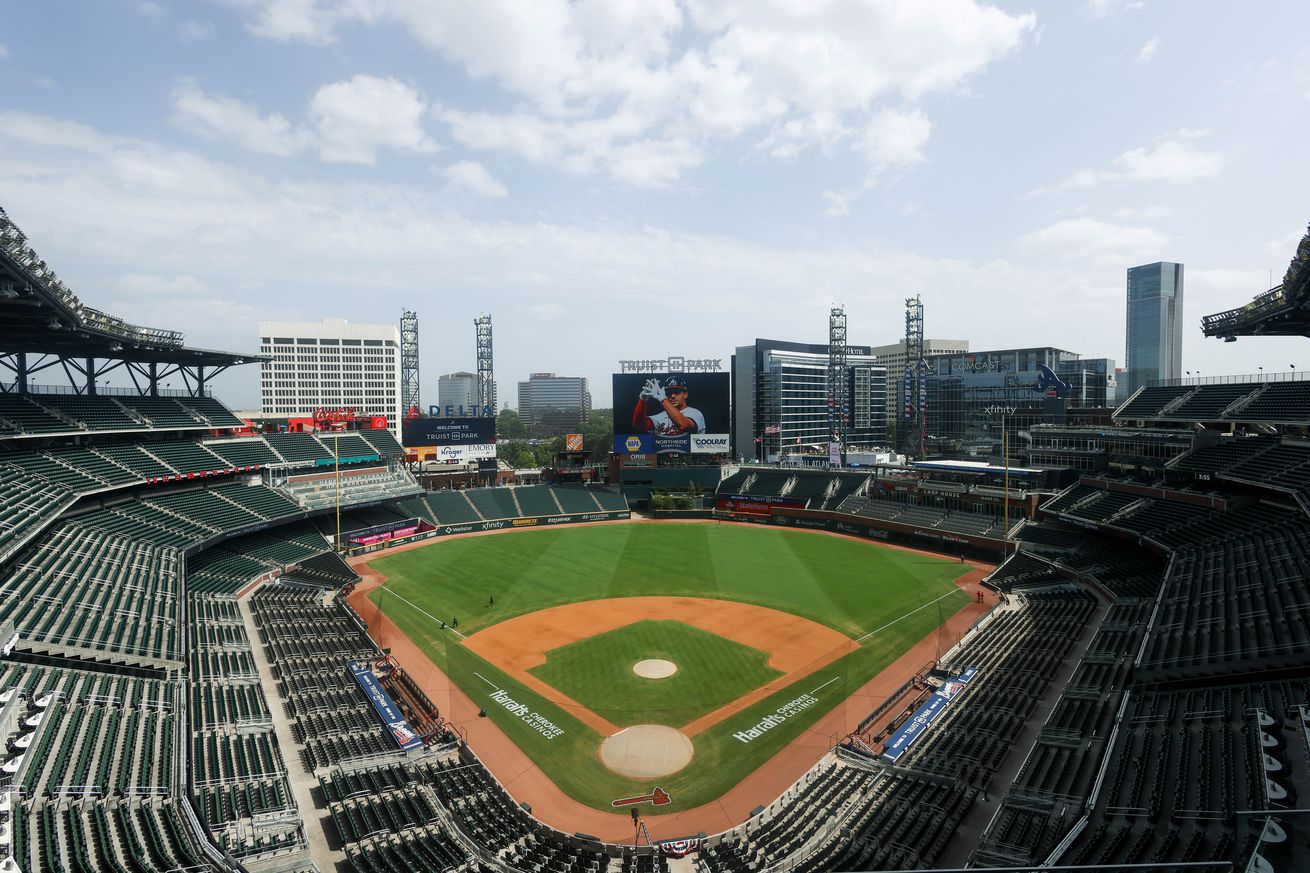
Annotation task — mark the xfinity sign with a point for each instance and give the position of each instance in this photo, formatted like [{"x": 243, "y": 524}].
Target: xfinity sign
[{"x": 709, "y": 443}]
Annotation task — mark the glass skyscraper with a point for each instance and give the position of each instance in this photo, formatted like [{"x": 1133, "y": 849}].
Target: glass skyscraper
[{"x": 1154, "y": 348}]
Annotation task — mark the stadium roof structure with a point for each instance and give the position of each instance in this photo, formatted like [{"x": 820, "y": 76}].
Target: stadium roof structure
[
  {"x": 1280, "y": 311},
  {"x": 40, "y": 315}
]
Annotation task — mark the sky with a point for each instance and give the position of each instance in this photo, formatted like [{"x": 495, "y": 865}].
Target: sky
[{"x": 615, "y": 179}]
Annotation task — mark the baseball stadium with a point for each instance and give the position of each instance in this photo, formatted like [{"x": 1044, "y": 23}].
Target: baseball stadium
[{"x": 234, "y": 648}]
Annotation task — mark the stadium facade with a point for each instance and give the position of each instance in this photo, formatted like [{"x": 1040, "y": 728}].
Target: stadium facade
[
  {"x": 332, "y": 365},
  {"x": 1154, "y": 339},
  {"x": 969, "y": 393},
  {"x": 780, "y": 398}
]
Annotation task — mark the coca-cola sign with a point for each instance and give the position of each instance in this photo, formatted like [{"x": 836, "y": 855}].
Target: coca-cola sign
[{"x": 344, "y": 413}]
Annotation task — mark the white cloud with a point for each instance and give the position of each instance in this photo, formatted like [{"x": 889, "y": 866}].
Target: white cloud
[
  {"x": 1174, "y": 158},
  {"x": 893, "y": 139},
  {"x": 548, "y": 311},
  {"x": 643, "y": 89},
  {"x": 226, "y": 119},
  {"x": 1147, "y": 51},
  {"x": 195, "y": 31},
  {"x": 356, "y": 118},
  {"x": 472, "y": 176},
  {"x": 1075, "y": 241},
  {"x": 176, "y": 240},
  {"x": 1106, "y": 8}
]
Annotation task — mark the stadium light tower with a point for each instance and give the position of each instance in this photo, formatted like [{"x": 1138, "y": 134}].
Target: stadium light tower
[
  {"x": 486, "y": 375},
  {"x": 911, "y": 427},
  {"x": 838, "y": 409},
  {"x": 408, "y": 360}
]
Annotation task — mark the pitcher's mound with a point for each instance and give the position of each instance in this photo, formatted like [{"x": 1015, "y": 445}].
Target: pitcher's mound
[
  {"x": 654, "y": 668},
  {"x": 647, "y": 750}
]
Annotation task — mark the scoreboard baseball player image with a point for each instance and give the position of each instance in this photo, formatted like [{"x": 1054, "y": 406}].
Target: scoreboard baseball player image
[{"x": 663, "y": 409}]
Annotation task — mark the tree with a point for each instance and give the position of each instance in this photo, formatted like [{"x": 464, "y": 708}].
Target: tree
[
  {"x": 598, "y": 434},
  {"x": 509, "y": 426}
]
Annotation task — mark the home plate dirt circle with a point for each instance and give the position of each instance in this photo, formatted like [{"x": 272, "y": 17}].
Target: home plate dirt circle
[
  {"x": 644, "y": 751},
  {"x": 654, "y": 668}
]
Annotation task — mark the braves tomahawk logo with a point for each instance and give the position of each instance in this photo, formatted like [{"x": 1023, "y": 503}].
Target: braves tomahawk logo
[{"x": 658, "y": 797}]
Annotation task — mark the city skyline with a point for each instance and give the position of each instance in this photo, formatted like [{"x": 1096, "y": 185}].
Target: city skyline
[{"x": 677, "y": 178}]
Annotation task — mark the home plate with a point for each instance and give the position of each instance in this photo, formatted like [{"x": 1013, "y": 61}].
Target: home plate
[
  {"x": 654, "y": 668},
  {"x": 644, "y": 751}
]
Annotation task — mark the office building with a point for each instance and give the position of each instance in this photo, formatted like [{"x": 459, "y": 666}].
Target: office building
[
  {"x": 457, "y": 395},
  {"x": 780, "y": 398},
  {"x": 332, "y": 365},
  {"x": 893, "y": 358},
  {"x": 1154, "y": 348},
  {"x": 551, "y": 405}
]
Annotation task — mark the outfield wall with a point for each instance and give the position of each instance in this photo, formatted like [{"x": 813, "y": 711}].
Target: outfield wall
[
  {"x": 445, "y": 530},
  {"x": 946, "y": 542}
]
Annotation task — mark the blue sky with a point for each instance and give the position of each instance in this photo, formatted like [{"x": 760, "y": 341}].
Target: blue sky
[{"x": 635, "y": 178}]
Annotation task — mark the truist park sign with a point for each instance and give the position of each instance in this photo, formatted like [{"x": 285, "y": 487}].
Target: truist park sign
[{"x": 672, "y": 364}]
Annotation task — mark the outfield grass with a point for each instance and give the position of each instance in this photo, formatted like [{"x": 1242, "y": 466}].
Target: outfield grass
[
  {"x": 712, "y": 671},
  {"x": 886, "y": 598}
]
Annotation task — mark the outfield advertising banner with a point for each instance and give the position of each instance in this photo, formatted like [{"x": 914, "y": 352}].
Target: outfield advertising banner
[
  {"x": 419, "y": 432},
  {"x": 709, "y": 443},
  {"x": 666, "y": 410}
]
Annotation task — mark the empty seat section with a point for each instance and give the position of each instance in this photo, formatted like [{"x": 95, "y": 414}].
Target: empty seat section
[
  {"x": 493, "y": 503},
  {"x": 185, "y": 456},
  {"x": 451, "y": 507},
  {"x": 536, "y": 500},
  {"x": 298, "y": 448},
  {"x": 161, "y": 412},
  {"x": 252, "y": 452}
]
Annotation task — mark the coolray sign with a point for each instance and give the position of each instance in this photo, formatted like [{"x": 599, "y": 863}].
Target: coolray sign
[
  {"x": 709, "y": 443},
  {"x": 527, "y": 715},
  {"x": 390, "y": 714},
  {"x": 672, "y": 364}
]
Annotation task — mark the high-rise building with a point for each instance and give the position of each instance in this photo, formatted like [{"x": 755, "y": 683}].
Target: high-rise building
[
  {"x": 893, "y": 358},
  {"x": 457, "y": 394},
  {"x": 780, "y": 397},
  {"x": 551, "y": 405},
  {"x": 1154, "y": 348},
  {"x": 330, "y": 364}
]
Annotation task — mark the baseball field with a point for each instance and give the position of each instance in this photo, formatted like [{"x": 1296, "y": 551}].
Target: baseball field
[{"x": 701, "y": 649}]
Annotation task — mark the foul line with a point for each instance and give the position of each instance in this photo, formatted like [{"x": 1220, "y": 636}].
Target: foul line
[
  {"x": 485, "y": 679},
  {"x": 825, "y": 685},
  {"x": 428, "y": 614},
  {"x": 903, "y": 617}
]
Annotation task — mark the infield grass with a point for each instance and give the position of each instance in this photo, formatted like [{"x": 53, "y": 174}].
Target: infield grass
[
  {"x": 884, "y": 599},
  {"x": 712, "y": 671}
]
